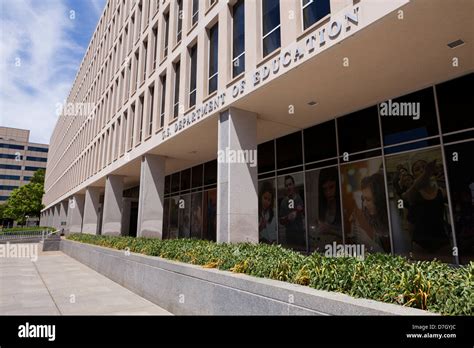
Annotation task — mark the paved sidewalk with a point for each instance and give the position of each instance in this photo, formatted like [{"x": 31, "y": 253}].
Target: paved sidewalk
[{"x": 56, "y": 284}]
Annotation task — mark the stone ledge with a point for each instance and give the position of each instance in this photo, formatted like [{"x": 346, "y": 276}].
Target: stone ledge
[{"x": 190, "y": 289}]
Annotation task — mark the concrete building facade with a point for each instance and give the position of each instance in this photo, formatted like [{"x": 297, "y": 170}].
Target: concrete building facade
[
  {"x": 19, "y": 159},
  {"x": 298, "y": 122}
]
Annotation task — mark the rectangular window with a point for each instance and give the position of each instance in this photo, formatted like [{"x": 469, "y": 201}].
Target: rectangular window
[
  {"x": 271, "y": 39},
  {"x": 163, "y": 101},
  {"x": 179, "y": 20},
  {"x": 166, "y": 33},
  {"x": 238, "y": 38},
  {"x": 132, "y": 125},
  {"x": 124, "y": 133},
  {"x": 177, "y": 67},
  {"x": 314, "y": 10},
  {"x": 195, "y": 13},
  {"x": 151, "y": 94},
  {"x": 192, "y": 86},
  {"x": 155, "y": 47},
  {"x": 145, "y": 50},
  {"x": 140, "y": 119},
  {"x": 139, "y": 21},
  {"x": 213, "y": 57}
]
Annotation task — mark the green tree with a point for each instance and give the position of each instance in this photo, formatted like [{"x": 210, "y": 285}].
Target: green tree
[
  {"x": 38, "y": 177},
  {"x": 25, "y": 201}
]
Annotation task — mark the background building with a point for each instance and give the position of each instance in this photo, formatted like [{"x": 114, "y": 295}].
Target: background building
[
  {"x": 19, "y": 159},
  {"x": 358, "y": 112}
]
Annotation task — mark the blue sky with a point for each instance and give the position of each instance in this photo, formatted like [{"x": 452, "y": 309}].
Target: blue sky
[{"x": 42, "y": 43}]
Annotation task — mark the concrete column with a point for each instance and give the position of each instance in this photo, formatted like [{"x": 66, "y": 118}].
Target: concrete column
[
  {"x": 56, "y": 220},
  {"x": 91, "y": 210},
  {"x": 237, "y": 198},
  {"x": 76, "y": 213},
  {"x": 150, "y": 204},
  {"x": 113, "y": 202},
  {"x": 63, "y": 215}
]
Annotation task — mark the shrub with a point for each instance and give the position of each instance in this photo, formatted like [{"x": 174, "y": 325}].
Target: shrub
[{"x": 429, "y": 285}]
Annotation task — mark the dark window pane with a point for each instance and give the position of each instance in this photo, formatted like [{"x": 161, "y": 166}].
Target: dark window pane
[
  {"x": 213, "y": 84},
  {"x": 324, "y": 208},
  {"x": 364, "y": 205},
  {"x": 316, "y": 10},
  {"x": 271, "y": 42},
  {"x": 197, "y": 176},
  {"x": 409, "y": 117},
  {"x": 213, "y": 49},
  {"x": 291, "y": 212},
  {"x": 270, "y": 15},
  {"x": 238, "y": 65},
  {"x": 167, "y": 184},
  {"x": 418, "y": 205},
  {"x": 358, "y": 131},
  {"x": 461, "y": 185},
  {"x": 175, "y": 182},
  {"x": 267, "y": 216},
  {"x": 185, "y": 179},
  {"x": 238, "y": 28},
  {"x": 210, "y": 172},
  {"x": 192, "y": 84},
  {"x": 320, "y": 142},
  {"x": 266, "y": 157},
  {"x": 289, "y": 150},
  {"x": 456, "y": 104}
]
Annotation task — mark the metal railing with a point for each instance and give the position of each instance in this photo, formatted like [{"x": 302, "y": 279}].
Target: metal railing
[{"x": 25, "y": 235}]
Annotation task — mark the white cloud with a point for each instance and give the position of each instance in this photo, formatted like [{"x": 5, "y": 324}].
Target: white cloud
[{"x": 37, "y": 35}]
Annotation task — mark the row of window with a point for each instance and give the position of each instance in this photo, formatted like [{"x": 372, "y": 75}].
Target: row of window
[
  {"x": 136, "y": 72},
  {"x": 14, "y": 177},
  {"x": 21, "y": 147},
  {"x": 414, "y": 199},
  {"x": 8, "y": 187},
  {"x": 15, "y": 167}
]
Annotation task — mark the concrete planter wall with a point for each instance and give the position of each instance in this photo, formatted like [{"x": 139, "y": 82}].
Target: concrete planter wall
[{"x": 189, "y": 289}]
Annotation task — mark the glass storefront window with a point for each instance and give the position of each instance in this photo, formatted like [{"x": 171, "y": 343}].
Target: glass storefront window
[
  {"x": 460, "y": 168},
  {"x": 289, "y": 150},
  {"x": 320, "y": 142},
  {"x": 323, "y": 208},
  {"x": 408, "y": 118},
  {"x": 267, "y": 216},
  {"x": 291, "y": 211},
  {"x": 456, "y": 104},
  {"x": 358, "y": 131},
  {"x": 364, "y": 205},
  {"x": 184, "y": 216},
  {"x": 196, "y": 215},
  {"x": 418, "y": 205},
  {"x": 266, "y": 157}
]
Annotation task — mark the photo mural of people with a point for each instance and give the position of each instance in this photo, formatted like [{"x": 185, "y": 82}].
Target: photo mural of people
[
  {"x": 324, "y": 208},
  {"x": 173, "y": 221},
  {"x": 210, "y": 211},
  {"x": 364, "y": 205},
  {"x": 418, "y": 205},
  {"x": 185, "y": 216},
  {"x": 291, "y": 212},
  {"x": 196, "y": 215},
  {"x": 267, "y": 218}
]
